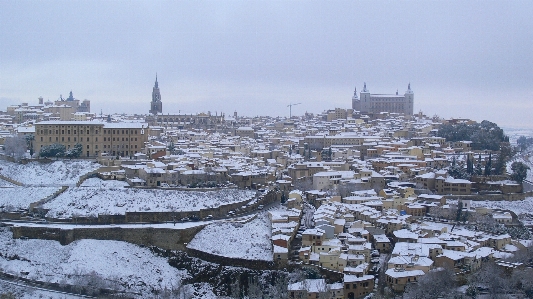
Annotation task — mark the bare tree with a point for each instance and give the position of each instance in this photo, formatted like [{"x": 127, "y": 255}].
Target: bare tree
[
  {"x": 435, "y": 284},
  {"x": 303, "y": 184},
  {"x": 254, "y": 288},
  {"x": 15, "y": 147}
]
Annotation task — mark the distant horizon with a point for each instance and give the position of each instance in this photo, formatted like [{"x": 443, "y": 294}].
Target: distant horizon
[
  {"x": 467, "y": 59},
  {"x": 230, "y": 113}
]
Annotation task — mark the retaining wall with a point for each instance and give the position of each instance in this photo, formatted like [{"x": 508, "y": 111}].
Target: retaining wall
[
  {"x": 166, "y": 238},
  {"x": 493, "y": 197},
  {"x": 236, "y": 262},
  {"x": 11, "y": 180}
]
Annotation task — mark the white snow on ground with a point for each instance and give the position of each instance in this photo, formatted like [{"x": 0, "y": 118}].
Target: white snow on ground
[
  {"x": 88, "y": 201},
  {"x": 6, "y": 184},
  {"x": 250, "y": 241},
  {"x": 57, "y": 173},
  {"x": 199, "y": 291},
  {"x": 519, "y": 207},
  {"x": 111, "y": 184},
  {"x": 123, "y": 265},
  {"x": 21, "y": 291},
  {"x": 20, "y": 197}
]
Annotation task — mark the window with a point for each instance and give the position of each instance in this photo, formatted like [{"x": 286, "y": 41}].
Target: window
[
  {"x": 41, "y": 138},
  {"x": 68, "y": 139},
  {"x": 68, "y": 131},
  {"x": 74, "y": 139},
  {"x": 87, "y": 132},
  {"x": 57, "y": 138},
  {"x": 87, "y": 146},
  {"x": 87, "y": 139},
  {"x": 96, "y": 132},
  {"x": 96, "y": 139},
  {"x": 74, "y": 131}
]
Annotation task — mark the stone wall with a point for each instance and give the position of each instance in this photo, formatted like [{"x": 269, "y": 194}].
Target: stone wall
[
  {"x": 493, "y": 197},
  {"x": 41, "y": 202},
  {"x": 166, "y": 238},
  {"x": 228, "y": 261},
  {"x": 11, "y": 180}
]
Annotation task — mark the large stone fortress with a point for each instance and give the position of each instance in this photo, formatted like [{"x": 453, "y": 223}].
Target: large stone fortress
[{"x": 376, "y": 103}]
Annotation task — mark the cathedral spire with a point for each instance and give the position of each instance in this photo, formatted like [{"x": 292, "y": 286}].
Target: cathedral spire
[
  {"x": 156, "y": 85},
  {"x": 355, "y": 91}
]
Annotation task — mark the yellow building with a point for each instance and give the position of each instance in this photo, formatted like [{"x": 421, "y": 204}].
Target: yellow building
[{"x": 114, "y": 139}]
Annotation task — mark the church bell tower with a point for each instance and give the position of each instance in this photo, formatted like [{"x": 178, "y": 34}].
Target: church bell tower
[{"x": 156, "y": 106}]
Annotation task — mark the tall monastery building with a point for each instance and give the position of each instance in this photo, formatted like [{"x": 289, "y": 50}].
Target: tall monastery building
[{"x": 375, "y": 103}]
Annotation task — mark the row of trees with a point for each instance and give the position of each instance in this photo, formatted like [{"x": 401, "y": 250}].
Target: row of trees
[
  {"x": 459, "y": 171},
  {"x": 59, "y": 150},
  {"x": 484, "y": 136}
]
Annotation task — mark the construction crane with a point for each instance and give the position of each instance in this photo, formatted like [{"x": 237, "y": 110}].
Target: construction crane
[{"x": 290, "y": 108}]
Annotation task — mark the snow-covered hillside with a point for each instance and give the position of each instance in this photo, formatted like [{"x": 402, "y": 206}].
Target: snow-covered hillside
[
  {"x": 519, "y": 207},
  {"x": 119, "y": 264},
  {"x": 4, "y": 183},
  {"x": 64, "y": 172},
  {"x": 96, "y": 182},
  {"x": 91, "y": 201},
  {"x": 12, "y": 198},
  {"x": 250, "y": 241}
]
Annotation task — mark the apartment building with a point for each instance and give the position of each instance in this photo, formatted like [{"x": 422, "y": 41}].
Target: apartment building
[{"x": 114, "y": 139}]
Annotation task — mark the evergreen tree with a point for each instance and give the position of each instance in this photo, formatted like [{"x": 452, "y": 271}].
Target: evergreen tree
[
  {"x": 469, "y": 166},
  {"x": 53, "y": 150},
  {"x": 488, "y": 165},
  {"x": 74, "y": 152},
  {"x": 29, "y": 140},
  {"x": 519, "y": 171},
  {"x": 459, "y": 210}
]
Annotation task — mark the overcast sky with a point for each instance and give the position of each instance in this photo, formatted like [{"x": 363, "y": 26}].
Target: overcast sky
[{"x": 470, "y": 59}]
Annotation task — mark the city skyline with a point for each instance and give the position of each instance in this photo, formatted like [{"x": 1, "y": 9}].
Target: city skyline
[{"x": 463, "y": 59}]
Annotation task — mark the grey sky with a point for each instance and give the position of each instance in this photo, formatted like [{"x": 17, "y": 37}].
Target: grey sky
[{"x": 463, "y": 58}]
